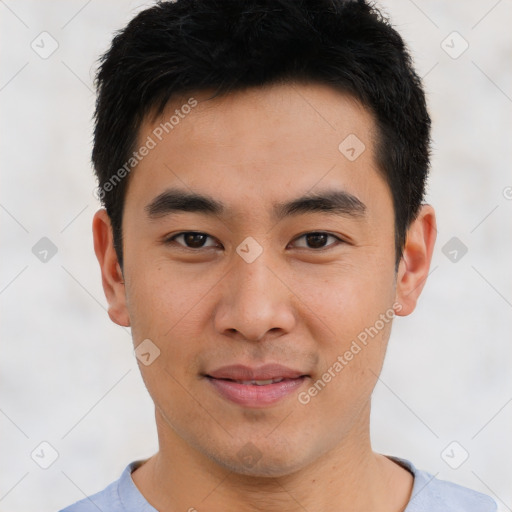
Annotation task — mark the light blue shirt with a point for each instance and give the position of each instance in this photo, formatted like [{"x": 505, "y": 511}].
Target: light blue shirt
[{"x": 428, "y": 495}]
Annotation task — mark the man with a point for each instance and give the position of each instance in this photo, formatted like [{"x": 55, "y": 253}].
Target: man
[{"x": 262, "y": 164}]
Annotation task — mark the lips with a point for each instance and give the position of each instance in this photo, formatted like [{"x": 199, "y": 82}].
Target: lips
[
  {"x": 256, "y": 387},
  {"x": 263, "y": 375},
  {"x": 260, "y": 382}
]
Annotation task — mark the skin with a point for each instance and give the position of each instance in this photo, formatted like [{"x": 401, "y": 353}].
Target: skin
[{"x": 295, "y": 304}]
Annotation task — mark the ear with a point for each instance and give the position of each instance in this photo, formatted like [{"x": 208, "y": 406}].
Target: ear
[
  {"x": 416, "y": 257},
  {"x": 111, "y": 274}
]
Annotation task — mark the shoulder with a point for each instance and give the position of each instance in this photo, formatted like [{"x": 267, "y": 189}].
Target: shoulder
[
  {"x": 107, "y": 499},
  {"x": 429, "y": 494},
  {"x": 119, "y": 496}
]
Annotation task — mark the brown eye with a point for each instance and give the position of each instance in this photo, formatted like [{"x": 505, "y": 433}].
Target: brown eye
[
  {"x": 318, "y": 240},
  {"x": 191, "y": 239}
]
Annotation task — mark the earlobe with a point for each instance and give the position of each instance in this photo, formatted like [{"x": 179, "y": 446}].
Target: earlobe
[
  {"x": 416, "y": 257},
  {"x": 111, "y": 274}
]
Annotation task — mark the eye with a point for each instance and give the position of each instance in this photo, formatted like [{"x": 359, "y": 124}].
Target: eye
[
  {"x": 191, "y": 240},
  {"x": 197, "y": 240},
  {"x": 318, "y": 239}
]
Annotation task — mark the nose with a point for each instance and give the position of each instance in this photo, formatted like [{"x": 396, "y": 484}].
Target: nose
[{"x": 255, "y": 301}]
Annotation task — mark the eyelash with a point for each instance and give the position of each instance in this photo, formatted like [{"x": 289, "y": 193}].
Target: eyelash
[{"x": 171, "y": 240}]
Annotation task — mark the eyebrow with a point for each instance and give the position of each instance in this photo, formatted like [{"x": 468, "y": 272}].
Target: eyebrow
[{"x": 336, "y": 202}]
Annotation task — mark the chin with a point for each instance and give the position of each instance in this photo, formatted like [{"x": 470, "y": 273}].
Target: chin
[
  {"x": 264, "y": 462},
  {"x": 269, "y": 469}
]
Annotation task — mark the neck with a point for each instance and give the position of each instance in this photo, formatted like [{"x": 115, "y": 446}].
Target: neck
[{"x": 350, "y": 477}]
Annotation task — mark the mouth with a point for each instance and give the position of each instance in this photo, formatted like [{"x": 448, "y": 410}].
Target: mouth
[
  {"x": 256, "y": 382},
  {"x": 261, "y": 375},
  {"x": 255, "y": 388}
]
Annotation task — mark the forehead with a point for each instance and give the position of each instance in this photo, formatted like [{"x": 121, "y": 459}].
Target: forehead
[
  {"x": 264, "y": 116},
  {"x": 259, "y": 142}
]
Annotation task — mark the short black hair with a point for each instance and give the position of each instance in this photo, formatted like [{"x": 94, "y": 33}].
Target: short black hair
[{"x": 177, "y": 47}]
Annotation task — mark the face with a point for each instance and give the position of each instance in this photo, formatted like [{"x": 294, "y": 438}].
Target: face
[{"x": 287, "y": 258}]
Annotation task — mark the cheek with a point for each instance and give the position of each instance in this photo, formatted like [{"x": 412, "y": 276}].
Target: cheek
[
  {"x": 170, "y": 307},
  {"x": 346, "y": 298},
  {"x": 165, "y": 309},
  {"x": 353, "y": 312},
  {"x": 351, "y": 363},
  {"x": 162, "y": 297}
]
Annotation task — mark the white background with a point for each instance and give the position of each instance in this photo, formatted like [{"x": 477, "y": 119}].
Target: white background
[{"x": 68, "y": 375}]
